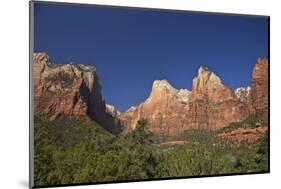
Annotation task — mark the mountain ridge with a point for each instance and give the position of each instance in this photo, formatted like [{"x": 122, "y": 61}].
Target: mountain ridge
[{"x": 75, "y": 90}]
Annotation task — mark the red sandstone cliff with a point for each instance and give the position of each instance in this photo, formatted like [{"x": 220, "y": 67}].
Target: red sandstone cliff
[
  {"x": 75, "y": 90},
  {"x": 68, "y": 89},
  {"x": 212, "y": 105},
  {"x": 259, "y": 89},
  {"x": 165, "y": 109}
]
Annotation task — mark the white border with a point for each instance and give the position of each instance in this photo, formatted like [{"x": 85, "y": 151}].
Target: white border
[{"x": 14, "y": 93}]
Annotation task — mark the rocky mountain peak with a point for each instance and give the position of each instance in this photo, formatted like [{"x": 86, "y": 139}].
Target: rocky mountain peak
[
  {"x": 206, "y": 80},
  {"x": 202, "y": 70},
  {"x": 165, "y": 109},
  {"x": 162, "y": 84},
  {"x": 210, "y": 104},
  {"x": 163, "y": 89}
]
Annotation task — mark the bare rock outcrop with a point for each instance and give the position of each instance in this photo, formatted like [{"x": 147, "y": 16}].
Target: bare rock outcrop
[
  {"x": 212, "y": 105},
  {"x": 244, "y": 134},
  {"x": 259, "y": 89},
  {"x": 165, "y": 109},
  {"x": 68, "y": 89},
  {"x": 75, "y": 90}
]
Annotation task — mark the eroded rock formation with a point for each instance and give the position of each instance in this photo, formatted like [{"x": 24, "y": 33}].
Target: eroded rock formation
[
  {"x": 75, "y": 90},
  {"x": 212, "y": 105},
  {"x": 244, "y": 134},
  {"x": 68, "y": 89},
  {"x": 259, "y": 89},
  {"x": 165, "y": 109}
]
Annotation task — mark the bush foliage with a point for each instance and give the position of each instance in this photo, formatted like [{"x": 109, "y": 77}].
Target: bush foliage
[{"x": 69, "y": 150}]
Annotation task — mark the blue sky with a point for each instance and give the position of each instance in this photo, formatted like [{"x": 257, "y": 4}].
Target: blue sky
[{"x": 131, "y": 48}]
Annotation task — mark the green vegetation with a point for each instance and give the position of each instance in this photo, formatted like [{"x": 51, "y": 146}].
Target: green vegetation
[{"x": 69, "y": 150}]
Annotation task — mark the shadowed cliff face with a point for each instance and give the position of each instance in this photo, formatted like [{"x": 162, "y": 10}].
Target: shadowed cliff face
[{"x": 69, "y": 89}]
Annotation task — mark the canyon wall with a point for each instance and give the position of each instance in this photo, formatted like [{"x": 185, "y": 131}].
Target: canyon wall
[{"x": 68, "y": 89}]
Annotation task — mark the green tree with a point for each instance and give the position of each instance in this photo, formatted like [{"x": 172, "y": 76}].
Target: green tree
[{"x": 141, "y": 135}]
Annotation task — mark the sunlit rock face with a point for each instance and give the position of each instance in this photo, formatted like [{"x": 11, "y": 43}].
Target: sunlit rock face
[
  {"x": 165, "y": 109},
  {"x": 75, "y": 90},
  {"x": 209, "y": 105},
  {"x": 259, "y": 89},
  {"x": 68, "y": 89},
  {"x": 212, "y": 105}
]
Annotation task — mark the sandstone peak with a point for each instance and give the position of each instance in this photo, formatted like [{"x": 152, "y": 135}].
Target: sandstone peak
[
  {"x": 206, "y": 79},
  {"x": 160, "y": 84},
  {"x": 163, "y": 89},
  {"x": 207, "y": 75},
  {"x": 202, "y": 69},
  {"x": 210, "y": 104}
]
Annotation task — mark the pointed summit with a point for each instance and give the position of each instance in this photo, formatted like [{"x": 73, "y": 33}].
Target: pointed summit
[
  {"x": 206, "y": 79},
  {"x": 165, "y": 109},
  {"x": 207, "y": 74},
  {"x": 202, "y": 69},
  {"x": 162, "y": 89},
  {"x": 160, "y": 84}
]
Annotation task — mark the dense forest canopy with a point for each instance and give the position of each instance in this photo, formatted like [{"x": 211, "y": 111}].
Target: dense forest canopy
[{"x": 71, "y": 150}]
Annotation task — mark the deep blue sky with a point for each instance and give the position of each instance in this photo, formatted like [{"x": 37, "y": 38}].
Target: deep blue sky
[{"x": 130, "y": 47}]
